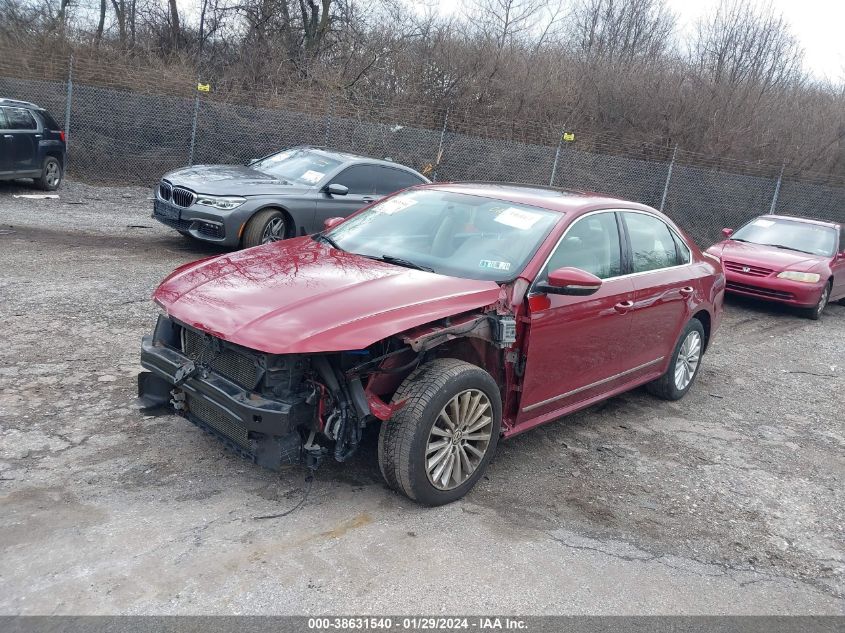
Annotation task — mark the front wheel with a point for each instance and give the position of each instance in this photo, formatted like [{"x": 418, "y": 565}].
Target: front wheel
[
  {"x": 815, "y": 313},
  {"x": 683, "y": 370},
  {"x": 438, "y": 445},
  {"x": 264, "y": 227},
  {"x": 51, "y": 175}
]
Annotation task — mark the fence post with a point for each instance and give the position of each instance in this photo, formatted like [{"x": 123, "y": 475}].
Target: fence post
[
  {"x": 777, "y": 189},
  {"x": 68, "y": 98},
  {"x": 557, "y": 158},
  {"x": 668, "y": 178},
  {"x": 440, "y": 146},
  {"x": 194, "y": 128},
  {"x": 329, "y": 115}
]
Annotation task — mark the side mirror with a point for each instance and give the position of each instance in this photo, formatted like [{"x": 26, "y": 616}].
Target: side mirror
[
  {"x": 727, "y": 232},
  {"x": 252, "y": 161},
  {"x": 335, "y": 189},
  {"x": 330, "y": 223},
  {"x": 570, "y": 281}
]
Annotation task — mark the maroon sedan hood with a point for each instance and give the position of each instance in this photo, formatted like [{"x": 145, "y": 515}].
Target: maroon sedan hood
[
  {"x": 764, "y": 256},
  {"x": 300, "y": 296}
]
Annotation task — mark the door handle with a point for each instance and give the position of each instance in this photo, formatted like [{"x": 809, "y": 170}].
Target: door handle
[
  {"x": 368, "y": 198},
  {"x": 37, "y": 136},
  {"x": 8, "y": 136},
  {"x": 686, "y": 291},
  {"x": 623, "y": 306}
]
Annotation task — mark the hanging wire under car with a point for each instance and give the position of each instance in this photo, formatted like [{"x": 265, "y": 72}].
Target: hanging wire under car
[{"x": 309, "y": 480}]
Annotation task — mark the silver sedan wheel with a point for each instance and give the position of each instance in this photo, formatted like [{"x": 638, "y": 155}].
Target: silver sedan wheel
[
  {"x": 52, "y": 174},
  {"x": 688, "y": 358},
  {"x": 274, "y": 231},
  {"x": 459, "y": 439}
]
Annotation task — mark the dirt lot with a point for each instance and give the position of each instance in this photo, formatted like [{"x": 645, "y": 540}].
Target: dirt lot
[{"x": 730, "y": 501}]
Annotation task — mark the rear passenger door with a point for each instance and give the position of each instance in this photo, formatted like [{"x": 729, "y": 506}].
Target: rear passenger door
[
  {"x": 663, "y": 285},
  {"x": 23, "y": 133}
]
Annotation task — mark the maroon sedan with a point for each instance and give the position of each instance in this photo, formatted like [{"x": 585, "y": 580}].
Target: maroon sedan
[
  {"x": 795, "y": 261},
  {"x": 450, "y": 315}
]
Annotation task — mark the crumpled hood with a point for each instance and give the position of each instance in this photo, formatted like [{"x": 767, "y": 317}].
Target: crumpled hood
[
  {"x": 301, "y": 296},
  {"x": 778, "y": 259},
  {"x": 231, "y": 180}
]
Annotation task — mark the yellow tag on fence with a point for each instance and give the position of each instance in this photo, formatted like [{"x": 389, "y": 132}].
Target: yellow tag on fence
[
  {"x": 569, "y": 136},
  {"x": 204, "y": 87}
]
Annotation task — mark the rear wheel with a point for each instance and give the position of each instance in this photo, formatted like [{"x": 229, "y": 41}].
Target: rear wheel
[
  {"x": 683, "y": 370},
  {"x": 264, "y": 227},
  {"x": 438, "y": 445},
  {"x": 815, "y": 313},
  {"x": 51, "y": 175}
]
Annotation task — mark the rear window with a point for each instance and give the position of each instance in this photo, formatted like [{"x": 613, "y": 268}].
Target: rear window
[{"x": 49, "y": 122}]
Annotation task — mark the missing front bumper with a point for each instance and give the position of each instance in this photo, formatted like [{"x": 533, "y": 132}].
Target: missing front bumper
[{"x": 266, "y": 431}]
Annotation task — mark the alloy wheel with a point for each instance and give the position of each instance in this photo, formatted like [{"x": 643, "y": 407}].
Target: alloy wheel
[
  {"x": 689, "y": 355},
  {"x": 274, "y": 231},
  {"x": 52, "y": 176},
  {"x": 459, "y": 439}
]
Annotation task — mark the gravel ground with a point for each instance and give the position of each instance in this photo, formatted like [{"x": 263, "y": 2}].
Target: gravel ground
[{"x": 730, "y": 501}]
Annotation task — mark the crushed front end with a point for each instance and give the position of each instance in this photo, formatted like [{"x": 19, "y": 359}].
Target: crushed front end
[
  {"x": 273, "y": 409},
  {"x": 259, "y": 405}
]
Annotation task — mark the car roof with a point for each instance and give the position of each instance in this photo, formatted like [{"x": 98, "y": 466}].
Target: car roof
[
  {"x": 834, "y": 225},
  {"x": 15, "y": 103},
  {"x": 349, "y": 157},
  {"x": 550, "y": 198}
]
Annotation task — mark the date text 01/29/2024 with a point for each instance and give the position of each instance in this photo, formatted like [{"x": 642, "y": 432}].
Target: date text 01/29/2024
[{"x": 415, "y": 623}]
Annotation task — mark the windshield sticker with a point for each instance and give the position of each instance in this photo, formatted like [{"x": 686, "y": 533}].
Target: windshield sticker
[
  {"x": 517, "y": 218},
  {"x": 395, "y": 205},
  {"x": 312, "y": 176},
  {"x": 764, "y": 223},
  {"x": 494, "y": 265}
]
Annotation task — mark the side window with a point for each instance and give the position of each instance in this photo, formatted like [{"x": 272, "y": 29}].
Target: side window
[
  {"x": 389, "y": 179},
  {"x": 359, "y": 179},
  {"x": 3, "y": 124},
  {"x": 20, "y": 119},
  {"x": 684, "y": 255},
  {"x": 591, "y": 244},
  {"x": 652, "y": 243}
]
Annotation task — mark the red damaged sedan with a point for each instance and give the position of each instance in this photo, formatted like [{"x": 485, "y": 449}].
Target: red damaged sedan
[
  {"x": 451, "y": 315},
  {"x": 796, "y": 261}
]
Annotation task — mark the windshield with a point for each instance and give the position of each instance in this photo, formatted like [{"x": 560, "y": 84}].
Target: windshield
[
  {"x": 803, "y": 237},
  {"x": 448, "y": 233},
  {"x": 299, "y": 166}
]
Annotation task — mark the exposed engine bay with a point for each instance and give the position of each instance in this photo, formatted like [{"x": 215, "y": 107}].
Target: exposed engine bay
[{"x": 301, "y": 408}]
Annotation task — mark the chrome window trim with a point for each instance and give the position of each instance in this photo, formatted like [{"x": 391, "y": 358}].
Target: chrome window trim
[
  {"x": 598, "y": 383},
  {"x": 531, "y": 289}
]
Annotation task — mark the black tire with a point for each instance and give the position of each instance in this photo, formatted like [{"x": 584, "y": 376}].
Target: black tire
[
  {"x": 185, "y": 234},
  {"x": 666, "y": 387},
  {"x": 404, "y": 438},
  {"x": 254, "y": 233},
  {"x": 815, "y": 313},
  {"x": 51, "y": 175},
  {"x": 842, "y": 301}
]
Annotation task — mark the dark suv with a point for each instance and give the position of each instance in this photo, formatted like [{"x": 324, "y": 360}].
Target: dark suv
[{"x": 32, "y": 144}]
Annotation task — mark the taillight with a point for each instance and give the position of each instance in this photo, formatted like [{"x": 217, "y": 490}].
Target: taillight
[{"x": 62, "y": 136}]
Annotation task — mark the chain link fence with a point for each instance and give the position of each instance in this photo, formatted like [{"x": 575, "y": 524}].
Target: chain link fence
[{"x": 120, "y": 135}]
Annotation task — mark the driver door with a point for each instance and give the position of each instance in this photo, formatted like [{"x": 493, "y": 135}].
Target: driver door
[
  {"x": 577, "y": 346},
  {"x": 361, "y": 182}
]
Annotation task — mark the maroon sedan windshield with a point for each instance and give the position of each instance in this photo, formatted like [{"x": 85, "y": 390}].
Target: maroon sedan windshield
[
  {"x": 803, "y": 237},
  {"x": 449, "y": 233}
]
